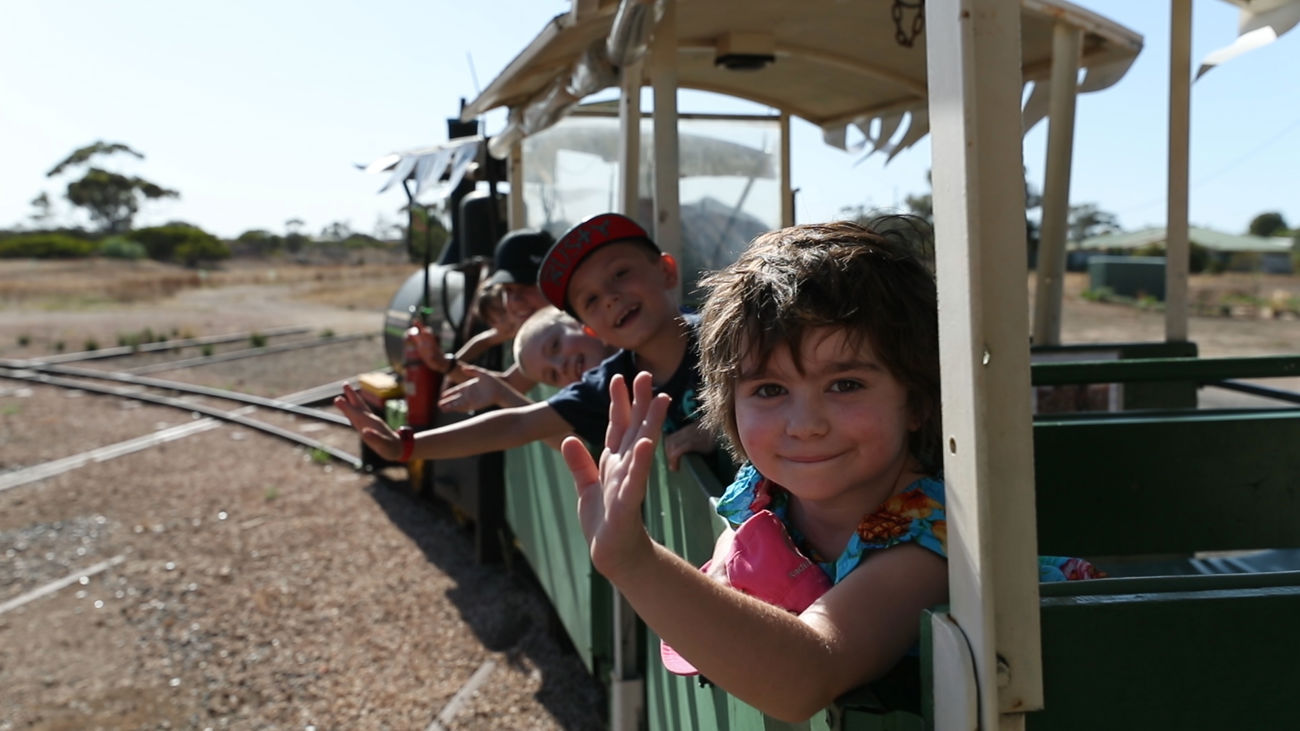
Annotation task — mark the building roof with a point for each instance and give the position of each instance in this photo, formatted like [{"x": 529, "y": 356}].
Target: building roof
[{"x": 1209, "y": 238}]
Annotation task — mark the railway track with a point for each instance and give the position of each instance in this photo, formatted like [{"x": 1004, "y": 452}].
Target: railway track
[{"x": 163, "y": 392}]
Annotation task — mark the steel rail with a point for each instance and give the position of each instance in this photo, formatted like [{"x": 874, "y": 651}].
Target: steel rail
[
  {"x": 247, "y": 353},
  {"x": 215, "y": 413},
  {"x": 124, "y": 350},
  {"x": 180, "y": 387}
]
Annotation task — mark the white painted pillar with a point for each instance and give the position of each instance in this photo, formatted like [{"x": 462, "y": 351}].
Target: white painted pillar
[
  {"x": 517, "y": 214},
  {"x": 1177, "y": 247},
  {"x": 787, "y": 195},
  {"x": 629, "y": 151},
  {"x": 973, "y": 56},
  {"x": 663, "y": 72},
  {"x": 1066, "y": 42},
  {"x": 627, "y": 687}
]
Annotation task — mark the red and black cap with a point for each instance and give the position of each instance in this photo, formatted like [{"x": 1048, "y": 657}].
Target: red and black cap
[{"x": 576, "y": 244}]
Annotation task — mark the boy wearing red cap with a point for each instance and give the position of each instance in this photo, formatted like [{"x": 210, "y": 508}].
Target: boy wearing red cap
[{"x": 608, "y": 274}]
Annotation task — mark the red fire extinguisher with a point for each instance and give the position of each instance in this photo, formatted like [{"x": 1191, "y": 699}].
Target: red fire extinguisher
[{"x": 422, "y": 382}]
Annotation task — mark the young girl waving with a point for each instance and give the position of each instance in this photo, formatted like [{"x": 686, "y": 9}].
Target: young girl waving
[{"x": 819, "y": 353}]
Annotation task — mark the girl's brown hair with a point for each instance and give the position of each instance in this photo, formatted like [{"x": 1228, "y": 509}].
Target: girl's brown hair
[{"x": 874, "y": 280}]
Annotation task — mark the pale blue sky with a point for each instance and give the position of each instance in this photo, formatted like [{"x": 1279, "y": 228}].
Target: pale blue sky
[{"x": 255, "y": 111}]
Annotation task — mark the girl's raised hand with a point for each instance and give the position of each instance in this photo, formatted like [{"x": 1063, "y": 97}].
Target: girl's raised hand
[
  {"x": 610, "y": 495},
  {"x": 374, "y": 431}
]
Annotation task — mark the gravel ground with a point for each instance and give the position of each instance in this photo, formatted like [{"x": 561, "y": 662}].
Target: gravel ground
[{"x": 254, "y": 588}]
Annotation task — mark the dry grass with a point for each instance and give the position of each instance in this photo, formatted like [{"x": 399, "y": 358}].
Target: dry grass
[{"x": 87, "y": 283}]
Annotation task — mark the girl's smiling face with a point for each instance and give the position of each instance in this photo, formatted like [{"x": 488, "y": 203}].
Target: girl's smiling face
[{"x": 836, "y": 431}]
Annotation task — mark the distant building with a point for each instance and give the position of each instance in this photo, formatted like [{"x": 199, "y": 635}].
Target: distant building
[{"x": 1232, "y": 252}]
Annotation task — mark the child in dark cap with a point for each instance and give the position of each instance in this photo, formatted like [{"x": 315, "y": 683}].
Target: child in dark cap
[
  {"x": 609, "y": 274},
  {"x": 505, "y": 300}
]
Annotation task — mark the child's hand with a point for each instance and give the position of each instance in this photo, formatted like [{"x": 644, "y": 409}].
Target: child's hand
[
  {"x": 609, "y": 497},
  {"x": 483, "y": 389},
  {"x": 426, "y": 345},
  {"x": 374, "y": 432},
  {"x": 690, "y": 438}
]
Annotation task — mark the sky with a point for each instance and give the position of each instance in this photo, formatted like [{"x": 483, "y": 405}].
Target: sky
[{"x": 259, "y": 112}]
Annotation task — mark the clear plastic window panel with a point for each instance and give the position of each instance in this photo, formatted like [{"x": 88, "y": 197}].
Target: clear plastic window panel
[{"x": 730, "y": 181}]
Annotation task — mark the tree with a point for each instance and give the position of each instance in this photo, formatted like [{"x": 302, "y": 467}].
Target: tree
[
  {"x": 426, "y": 232},
  {"x": 1086, "y": 220},
  {"x": 336, "y": 231},
  {"x": 111, "y": 199},
  {"x": 41, "y": 204},
  {"x": 1268, "y": 224},
  {"x": 922, "y": 205}
]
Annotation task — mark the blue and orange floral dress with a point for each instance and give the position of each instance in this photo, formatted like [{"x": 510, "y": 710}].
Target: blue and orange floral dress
[{"x": 917, "y": 514}]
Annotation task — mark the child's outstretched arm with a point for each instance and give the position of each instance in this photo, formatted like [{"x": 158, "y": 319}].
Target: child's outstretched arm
[
  {"x": 483, "y": 388},
  {"x": 490, "y": 432},
  {"x": 788, "y": 666}
]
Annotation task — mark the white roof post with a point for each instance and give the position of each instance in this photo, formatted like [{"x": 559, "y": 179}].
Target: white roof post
[
  {"x": 627, "y": 688},
  {"x": 629, "y": 153},
  {"x": 1066, "y": 44},
  {"x": 787, "y": 195},
  {"x": 663, "y": 72},
  {"x": 517, "y": 215},
  {"x": 973, "y": 56},
  {"x": 1177, "y": 247}
]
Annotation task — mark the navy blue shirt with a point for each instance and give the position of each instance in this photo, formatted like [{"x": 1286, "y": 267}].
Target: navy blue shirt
[{"x": 585, "y": 404}]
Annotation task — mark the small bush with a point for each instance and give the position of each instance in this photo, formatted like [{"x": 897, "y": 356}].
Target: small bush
[
  {"x": 45, "y": 246},
  {"x": 181, "y": 242},
  {"x": 258, "y": 242},
  {"x": 1100, "y": 294},
  {"x": 1149, "y": 302},
  {"x": 90, "y": 344},
  {"x": 24, "y": 340},
  {"x": 193, "y": 253},
  {"x": 257, "y": 340},
  {"x": 206, "y": 350},
  {"x": 327, "y": 333},
  {"x": 120, "y": 247},
  {"x": 59, "y": 346}
]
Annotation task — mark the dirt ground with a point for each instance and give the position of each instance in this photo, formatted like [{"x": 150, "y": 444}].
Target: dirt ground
[{"x": 251, "y": 586}]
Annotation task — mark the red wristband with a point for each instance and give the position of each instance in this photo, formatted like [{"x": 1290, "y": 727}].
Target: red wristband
[{"x": 407, "y": 435}]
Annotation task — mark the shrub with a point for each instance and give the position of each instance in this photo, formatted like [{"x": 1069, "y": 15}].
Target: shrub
[
  {"x": 191, "y": 253},
  {"x": 258, "y": 242},
  {"x": 257, "y": 340},
  {"x": 120, "y": 247},
  {"x": 181, "y": 242},
  {"x": 24, "y": 340},
  {"x": 1100, "y": 294},
  {"x": 45, "y": 246}
]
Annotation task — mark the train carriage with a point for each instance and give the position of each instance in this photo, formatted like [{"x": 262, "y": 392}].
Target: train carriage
[{"x": 1151, "y": 650}]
